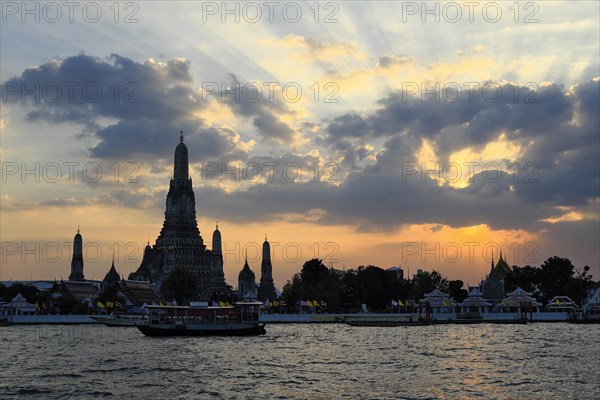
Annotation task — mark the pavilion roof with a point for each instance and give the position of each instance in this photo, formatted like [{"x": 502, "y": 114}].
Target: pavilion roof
[
  {"x": 561, "y": 302},
  {"x": 19, "y": 302}
]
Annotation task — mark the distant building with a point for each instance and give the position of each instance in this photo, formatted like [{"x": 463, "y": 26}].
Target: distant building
[
  {"x": 395, "y": 273},
  {"x": 266, "y": 290},
  {"x": 179, "y": 243},
  {"x": 475, "y": 303},
  {"x": 516, "y": 300},
  {"x": 439, "y": 302},
  {"x": 77, "y": 260},
  {"x": 18, "y": 306},
  {"x": 561, "y": 304},
  {"x": 493, "y": 285},
  {"x": 246, "y": 283}
]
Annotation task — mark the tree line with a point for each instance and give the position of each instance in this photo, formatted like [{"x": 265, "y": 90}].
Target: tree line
[{"x": 376, "y": 287}]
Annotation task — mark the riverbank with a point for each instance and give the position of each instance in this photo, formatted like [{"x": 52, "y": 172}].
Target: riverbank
[
  {"x": 310, "y": 318},
  {"x": 439, "y": 318}
]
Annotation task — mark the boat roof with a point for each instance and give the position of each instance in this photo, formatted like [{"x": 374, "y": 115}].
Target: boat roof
[{"x": 187, "y": 307}]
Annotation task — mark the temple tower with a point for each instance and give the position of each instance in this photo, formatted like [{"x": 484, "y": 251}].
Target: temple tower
[
  {"x": 179, "y": 243},
  {"x": 266, "y": 290},
  {"x": 77, "y": 260}
]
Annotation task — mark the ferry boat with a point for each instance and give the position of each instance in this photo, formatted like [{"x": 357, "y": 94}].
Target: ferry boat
[{"x": 238, "y": 320}]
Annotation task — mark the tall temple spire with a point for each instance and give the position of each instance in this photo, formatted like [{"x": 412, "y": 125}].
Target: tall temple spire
[
  {"x": 180, "y": 171},
  {"x": 266, "y": 290},
  {"x": 77, "y": 260},
  {"x": 216, "y": 242},
  {"x": 179, "y": 243}
]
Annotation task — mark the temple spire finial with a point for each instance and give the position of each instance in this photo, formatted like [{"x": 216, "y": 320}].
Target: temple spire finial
[
  {"x": 77, "y": 228},
  {"x": 181, "y": 136},
  {"x": 217, "y": 224}
]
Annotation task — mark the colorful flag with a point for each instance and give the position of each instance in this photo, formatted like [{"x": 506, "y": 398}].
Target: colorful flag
[
  {"x": 394, "y": 303},
  {"x": 100, "y": 305},
  {"x": 309, "y": 303},
  {"x": 228, "y": 304},
  {"x": 316, "y": 303},
  {"x": 222, "y": 303},
  {"x": 400, "y": 303},
  {"x": 303, "y": 303},
  {"x": 282, "y": 303},
  {"x": 323, "y": 304},
  {"x": 215, "y": 304},
  {"x": 558, "y": 303},
  {"x": 276, "y": 303},
  {"x": 110, "y": 304},
  {"x": 37, "y": 306}
]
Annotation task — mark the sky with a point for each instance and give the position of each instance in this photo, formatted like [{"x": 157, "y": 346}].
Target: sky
[{"x": 422, "y": 135}]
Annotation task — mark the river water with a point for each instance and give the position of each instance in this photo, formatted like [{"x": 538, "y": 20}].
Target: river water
[{"x": 305, "y": 361}]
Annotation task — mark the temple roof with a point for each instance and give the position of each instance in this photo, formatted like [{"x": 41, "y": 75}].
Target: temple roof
[
  {"x": 112, "y": 275},
  {"x": 246, "y": 272},
  {"x": 78, "y": 290},
  {"x": 437, "y": 293},
  {"x": 140, "y": 292}
]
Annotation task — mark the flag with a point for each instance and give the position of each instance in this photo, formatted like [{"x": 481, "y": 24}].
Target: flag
[
  {"x": 282, "y": 303},
  {"x": 266, "y": 303},
  {"x": 276, "y": 303},
  {"x": 37, "y": 306},
  {"x": 400, "y": 303},
  {"x": 323, "y": 304},
  {"x": 303, "y": 303},
  {"x": 227, "y": 303},
  {"x": 222, "y": 303},
  {"x": 215, "y": 304},
  {"x": 110, "y": 304},
  {"x": 100, "y": 305},
  {"x": 309, "y": 303},
  {"x": 44, "y": 306},
  {"x": 558, "y": 303},
  {"x": 316, "y": 303},
  {"x": 394, "y": 303},
  {"x": 161, "y": 303}
]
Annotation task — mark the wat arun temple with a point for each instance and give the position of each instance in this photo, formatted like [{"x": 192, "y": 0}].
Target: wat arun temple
[{"x": 180, "y": 245}]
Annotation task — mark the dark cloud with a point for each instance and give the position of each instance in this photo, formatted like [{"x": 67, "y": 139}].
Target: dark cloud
[{"x": 149, "y": 102}]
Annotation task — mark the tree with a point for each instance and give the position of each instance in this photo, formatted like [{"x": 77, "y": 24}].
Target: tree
[
  {"x": 456, "y": 291},
  {"x": 425, "y": 282},
  {"x": 30, "y": 293},
  {"x": 182, "y": 285},
  {"x": 314, "y": 282},
  {"x": 527, "y": 278},
  {"x": 554, "y": 275}
]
